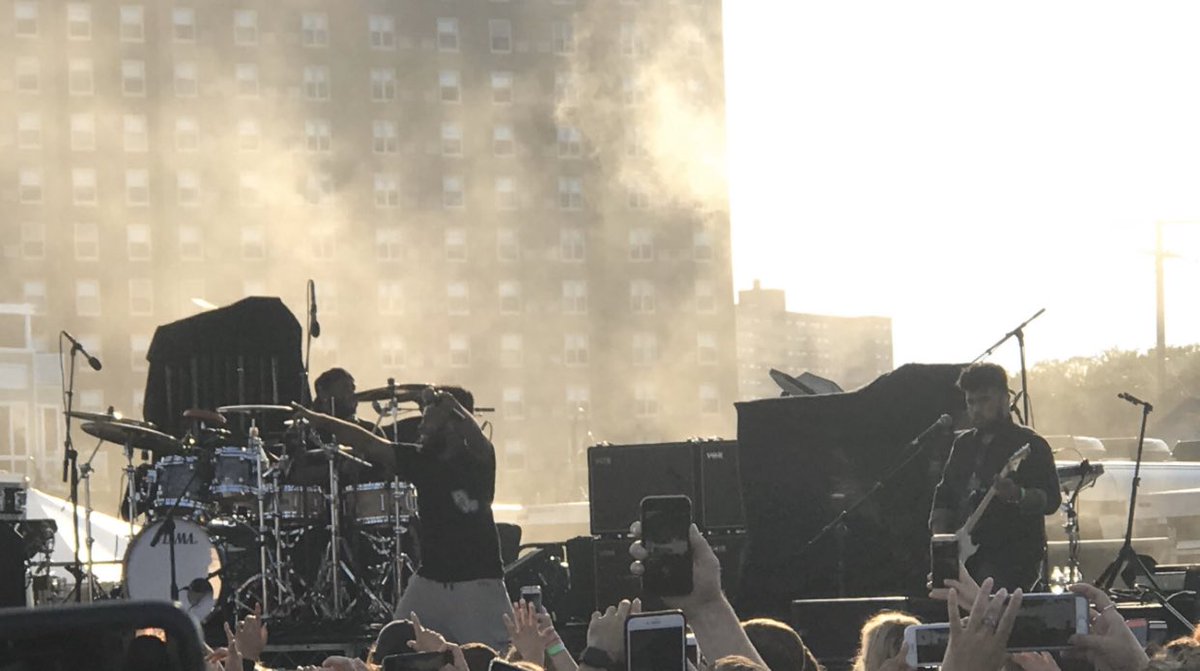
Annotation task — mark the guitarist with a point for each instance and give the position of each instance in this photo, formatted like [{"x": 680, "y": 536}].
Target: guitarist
[{"x": 1011, "y": 532}]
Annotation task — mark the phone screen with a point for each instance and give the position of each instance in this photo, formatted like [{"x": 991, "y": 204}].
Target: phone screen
[
  {"x": 931, "y": 644},
  {"x": 656, "y": 649},
  {"x": 1046, "y": 622},
  {"x": 665, "y": 524},
  {"x": 533, "y": 594},
  {"x": 943, "y": 558}
]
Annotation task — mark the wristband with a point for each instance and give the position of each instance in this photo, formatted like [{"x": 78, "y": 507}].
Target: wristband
[{"x": 556, "y": 649}]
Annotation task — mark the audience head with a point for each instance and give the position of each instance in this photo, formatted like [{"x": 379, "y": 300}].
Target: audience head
[
  {"x": 1182, "y": 653},
  {"x": 779, "y": 645},
  {"x": 524, "y": 666},
  {"x": 147, "y": 653},
  {"x": 882, "y": 636},
  {"x": 392, "y": 640},
  {"x": 478, "y": 656},
  {"x": 738, "y": 663}
]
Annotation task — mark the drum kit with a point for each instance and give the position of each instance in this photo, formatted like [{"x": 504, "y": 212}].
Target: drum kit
[{"x": 227, "y": 527}]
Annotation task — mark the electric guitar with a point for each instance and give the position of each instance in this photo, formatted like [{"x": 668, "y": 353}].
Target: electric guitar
[{"x": 966, "y": 547}]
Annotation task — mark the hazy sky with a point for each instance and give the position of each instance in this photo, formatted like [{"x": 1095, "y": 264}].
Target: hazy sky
[{"x": 958, "y": 166}]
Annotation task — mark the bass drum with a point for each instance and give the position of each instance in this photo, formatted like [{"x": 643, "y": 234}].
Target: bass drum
[{"x": 197, "y": 568}]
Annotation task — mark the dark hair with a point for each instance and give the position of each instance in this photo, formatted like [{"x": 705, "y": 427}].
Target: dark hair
[
  {"x": 738, "y": 663},
  {"x": 392, "y": 640},
  {"x": 330, "y": 377},
  {"x": 147, "y": 652},
  {"x": 779, "y": 645},
  {"x": 980, "y": 376},
  {"x": 478, "y": 656}
]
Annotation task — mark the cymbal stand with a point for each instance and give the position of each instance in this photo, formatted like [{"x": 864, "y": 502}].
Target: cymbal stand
[
  {"x": 255, "y": 445},
  {"x": 335, "y": 537},
  {"x": 85, "y": 473},
  {"x": 130, "y": 472}
]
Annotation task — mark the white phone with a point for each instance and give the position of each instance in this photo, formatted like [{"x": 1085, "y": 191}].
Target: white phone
[
  {"x": 926, "y": 644},
  {"x": 656, "y": 641}
]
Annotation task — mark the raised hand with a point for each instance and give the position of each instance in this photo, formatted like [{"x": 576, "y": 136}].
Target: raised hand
[
  {"x": 981, "y": 642},
  {"x": 607, "y": 630},
  {"x": 233, "y": 658},
  {"x": 529, "y": 635},
  {"x": 1035, "y": 661},
  {"x": 425, "y": 640},
  {"x": 706, "y": 570},
  {"x": 252, "y": 635},
  {"x": 1111, "y": 645}
]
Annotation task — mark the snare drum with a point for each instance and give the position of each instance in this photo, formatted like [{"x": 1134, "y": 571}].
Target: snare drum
[
  {"x": 375, "y": 503},
  {"x": 298, "y": 505},
  {"x": 235, "y": 474},
  {"x": 176, "y": 481}
]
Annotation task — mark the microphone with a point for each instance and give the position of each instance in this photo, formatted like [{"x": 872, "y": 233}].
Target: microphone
[
  {"x": 314, "y": 326},
  {"x": 77, "y": 347},
  {"x": 197, "y": 590},
  {"x": 1126, "y": 396},
  {"x": 942, "y": 423}
]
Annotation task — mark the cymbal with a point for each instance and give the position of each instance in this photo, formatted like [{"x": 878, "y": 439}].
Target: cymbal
[
  {"x": 253, "y": 409},
  {"x": 139, "y": 437},
  {"x": 207, "y": 416},
  {"x": 400, "y": 392},
  {"x": 106, "y": 417}
]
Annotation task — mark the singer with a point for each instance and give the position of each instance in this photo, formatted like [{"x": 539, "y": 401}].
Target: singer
[{"x": 1011, "y": 534}]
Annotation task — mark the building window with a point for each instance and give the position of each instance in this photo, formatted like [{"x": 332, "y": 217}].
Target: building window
[
  {"x": 191, "y": 243},
  {"x": 314, "y": 29},
  {"x": 460, "y": 350},
  {"x": 448, "y": 84},
  {"x": 188, "y": 188},
  {"x": 384, "y": 137},
  {"x": 706, "y": 348},
  {"x": 570, "y": 193},
  {"x": 79, "y": 21},
  {"x": 502, "y": 140},
  {"x": 387, "y": 190},
  {"x": 187, "y": 134},
  {"x": 512, "y": 350},
  {"x": 392, "y": 352},
  {"x": 570, "y": 142},
  {"x": 318, "y": 189},
  {"x": 316, "y": 82},
  {"x": 645, "y": 349},
  {"x": 641, "y": 244},
  {"x": 133, "y": 23},
  {"x": 246, "y": 77},
  {"x": 452, "y": 192},
  {"x": 702, "y": 246},
  {"x": 638, "y": 198},
  {"x": 83, "y": 186},
  {"x": 133, "y": 78},
  {"x": 383, "y": 84},
  {"x": 25, "y": 16},
  {"x": 249, "y": 135},
  {"x": 641, "y": 296},
  {"x": 510, "y": 297},
  {"x": 456, "y": 244},
  {"x": 452, "y": 139},
  {"x": 137, "y": 188},
  {"x": 254, "y": 243},
  {"x": 579, "y": 399},
  {"x": 645, "y": 400},
  {"x": 80, "y": 79},
  {"x": 631, "y": 91},
  {"x": 249, "y": 191},
  {"x": 458, "y": 298},
  {"x": 87, "y": 241},
  {"x": 383, "y": 31},
  {"x": 186, "y": 84},
  {"x": 83, "y": 132},
  {"x": 391, "y": 297},
  {"x": 502, "y": 88},
  {"x": 245, "y": 27},
  {"x": 574, "y": 297},
  {"x": 136, "y": 135},
  {"x": 183, "y": 21},
  {"x": 29, "y": 131},
  {"x": 500, "y": 31},
  {"x": 29, "y": 186},
  {"x": 389, "y": 244},
  {"x": 706, "y": 296},
  {"x": 512, "y": 401},
  {"x": 564, "y": 88},
  {"x": 710, "y": 399},
  {"x": 29, "y": 72},
  {"x": 318, "y": 136},
  {"x": 506, "y": 194},
  {"x": 33, "y": 292},
  {"x": 137, "y": 242},
  {"x": 514, "y": 448},
  {"x": 630, "y": 39},
  {"x": 572, "y": 244},
  {"x": 33, "y": 240},
  {"x": 87, "y": 298},
  {"x": 575, "y": 349},
  {"x": 447, "y": 34},
  {"x": 508, "y": 245},
  {"x": 564, "y": 37}
]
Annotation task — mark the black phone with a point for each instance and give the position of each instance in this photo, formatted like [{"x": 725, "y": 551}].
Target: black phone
[
  {"x": 943, "y": 559},
  {"x": 533, "y": 594},
  {"x": 418, "y": 661},
  {"x": 1048, "y": 621},
  {"x": 666, "y": 523}
]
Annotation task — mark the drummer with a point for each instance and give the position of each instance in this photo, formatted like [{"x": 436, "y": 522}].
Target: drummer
[{"x": 335, "y": 397}]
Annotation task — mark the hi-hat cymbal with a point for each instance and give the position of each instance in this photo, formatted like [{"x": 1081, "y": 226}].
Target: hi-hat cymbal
[
  {"x": 135, "y": 436},
  {"x": 402, "y": 393},
  {"x": 253, "y": 409}
]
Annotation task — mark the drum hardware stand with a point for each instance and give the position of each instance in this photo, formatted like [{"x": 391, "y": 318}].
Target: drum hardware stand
[
  {"x": 1071, "y": 526},
  {"x": 85, "y": 472},
  {"x": 255, "y": 445}
]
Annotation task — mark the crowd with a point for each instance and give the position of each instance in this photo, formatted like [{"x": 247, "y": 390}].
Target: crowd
[{"x": 977, "y": 641}]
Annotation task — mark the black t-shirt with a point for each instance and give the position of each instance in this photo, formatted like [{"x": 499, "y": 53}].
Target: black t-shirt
[{"x": 454, "y": 500}]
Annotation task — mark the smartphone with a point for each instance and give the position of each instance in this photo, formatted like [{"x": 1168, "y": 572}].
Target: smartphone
[
  {"x": 656, "y": 641},
  {"x": 533, "y": 594},
  {"x": 943, "y": 558},
  {"x": 926, "y": 643},
  {"x": 691, "y": 649},
  {"x": 418, "y": 661},
  {"x": 1048, "y": 621},
  {"x": 666, "y": 521}
]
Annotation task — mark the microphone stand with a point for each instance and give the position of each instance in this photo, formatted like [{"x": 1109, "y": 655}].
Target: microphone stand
[
  {"x": 168, "y": 528},
  {"x": 1019, "y": 334},
  {"x": 71, "y": 465}
]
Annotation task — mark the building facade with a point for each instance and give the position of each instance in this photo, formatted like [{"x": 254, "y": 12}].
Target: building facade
[{"x": 468, "y": 183}]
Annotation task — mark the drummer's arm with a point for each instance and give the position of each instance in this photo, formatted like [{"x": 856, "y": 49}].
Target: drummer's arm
[{"x": 346, "y": 433}]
